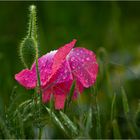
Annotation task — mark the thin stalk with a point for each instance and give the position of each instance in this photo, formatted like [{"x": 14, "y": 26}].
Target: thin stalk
[
  {"x": 68, "y": 100},
  {"x": 33, "y": 34},
  {"x": 56, "y": 120},
  {"x": 127, "y": 112},
  {"x": 40, "y": 132},
  {"x": 113, "y": 107},
  {"x": 98, "y": 128},
  {"x": 38, "y": 77},
  {"x": 38, "y": 87},
  {"x": 116, "y": 131}
]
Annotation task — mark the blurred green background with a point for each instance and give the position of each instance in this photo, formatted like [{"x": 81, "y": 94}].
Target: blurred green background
[{"x": 114, "y": 26}]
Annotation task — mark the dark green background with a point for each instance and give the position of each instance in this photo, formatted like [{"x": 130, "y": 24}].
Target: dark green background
[{"x": 112, "y": 25}]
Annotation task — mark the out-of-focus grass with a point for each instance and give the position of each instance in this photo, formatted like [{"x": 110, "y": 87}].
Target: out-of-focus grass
[{"x": 110, "y": 29}]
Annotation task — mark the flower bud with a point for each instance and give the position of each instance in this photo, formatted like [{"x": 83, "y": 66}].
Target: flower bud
[{"x": 28, "y": 52}]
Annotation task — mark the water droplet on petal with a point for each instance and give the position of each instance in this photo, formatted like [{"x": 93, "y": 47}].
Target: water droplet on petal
[
  {"x": 87, "y": 59},
  {"x": 26, "y": 79},
  {"x": 72, "y": 59},
  {"x": 63, "y": 77},
  {"x": 73, "y": 67}
]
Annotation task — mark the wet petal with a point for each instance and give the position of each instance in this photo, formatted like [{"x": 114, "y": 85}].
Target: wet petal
[
  {"x": 83, "y": 65},
  {"x": 63, "y": 74},
  {"x": 26, "y": 78},
  {"x": 46, "y": 95},
  {"x": 59, "y": 101},
  {"x": 60, "y": 56},
  {"x": 60, "y": 93},
  {"x": 45, "y": 66}
]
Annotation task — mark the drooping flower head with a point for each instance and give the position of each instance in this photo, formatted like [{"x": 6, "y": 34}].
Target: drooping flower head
[{"x": 58, "y": 69}]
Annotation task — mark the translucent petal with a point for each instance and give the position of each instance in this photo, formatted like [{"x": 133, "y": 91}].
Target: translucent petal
[
  {"x": 28, "y": 78},
  {"x": 83, "y": 65},
  {"x": 60, "y": 57}
]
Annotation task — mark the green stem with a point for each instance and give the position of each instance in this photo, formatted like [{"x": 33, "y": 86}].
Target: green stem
[
  {"x": 38, "y": 75},
  {"x": 32, "y": 32},
  {"x": 98, "y": 129},
  {"x": 40, "y": 133}
]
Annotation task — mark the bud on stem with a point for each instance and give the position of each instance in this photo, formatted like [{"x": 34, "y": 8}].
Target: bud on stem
[
  {"x": 28, "y": 47},
  {"x": 32, "y": 30},
  {"x": 29, "y": 52}
]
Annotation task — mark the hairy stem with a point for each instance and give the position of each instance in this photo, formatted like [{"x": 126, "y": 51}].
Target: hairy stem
[{"x": 33, "y": 34}]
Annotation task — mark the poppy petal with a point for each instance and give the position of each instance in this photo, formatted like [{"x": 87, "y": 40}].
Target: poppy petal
[
  {"x": 46, "y": 95},
  {"x": 60, "y": 56},
  {"x": 45, "y": 66},
  {"x": 59, "y": 101},
  {"x": 83, "y": 65},
  {"x": 26, "y": 78},
  {"x": 63, "y": 74},
  {"x": 60, "y": 93}
]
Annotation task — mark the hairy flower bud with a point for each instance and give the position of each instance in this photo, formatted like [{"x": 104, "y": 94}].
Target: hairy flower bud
[
  {"x": 28, "y": 47},
  {"x": 28, "y": 52}
]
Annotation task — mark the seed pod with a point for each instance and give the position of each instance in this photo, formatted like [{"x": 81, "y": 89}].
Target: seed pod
[{"x": 28, "y": 52}]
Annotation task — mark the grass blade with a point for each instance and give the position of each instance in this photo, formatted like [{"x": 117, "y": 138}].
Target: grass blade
[
  {"x": 56, "y": 120},
  {"x": 125, "y": 102},
  {"x": 68, "y": 100},
  {"x": 20, "y": 126},
  {"x": 113, "y": 107},
  {"x": 116, "y": 132},
  {"x": 4, "y": 129},
  {"x": 98, "y": 127},
  {"x": 88, "y": 122},
  {"x": 137, "y": 116},
  {"x": 52, "y": 104},
  {"x": 127, "y": 112},
  {"x": 69, "y": 123}
]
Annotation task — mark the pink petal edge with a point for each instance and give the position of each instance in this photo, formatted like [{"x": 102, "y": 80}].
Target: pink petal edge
[
  {"x": 26, "y": 78},
  {"x": 60, "y": 56}
]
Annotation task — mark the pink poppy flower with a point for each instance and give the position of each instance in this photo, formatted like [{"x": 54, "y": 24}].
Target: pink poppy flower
[{"x": 58, "y": 69}]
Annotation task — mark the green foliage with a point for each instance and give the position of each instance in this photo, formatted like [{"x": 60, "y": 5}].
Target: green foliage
[
  {"x": 72, "y": 127},
  {"x": 56, "y": 120},
  {"x": 137, "y": 116},
  {"x": 88, "y": 124},
  {"x": 98, "y": 122},
  {"x": 116, "y": 131},
  {"x": 26, "y": 116},
  {"x": 125, "y": 102},
  {"x": 4, "y": 130},
  {"x": 113, "y": 113}
]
